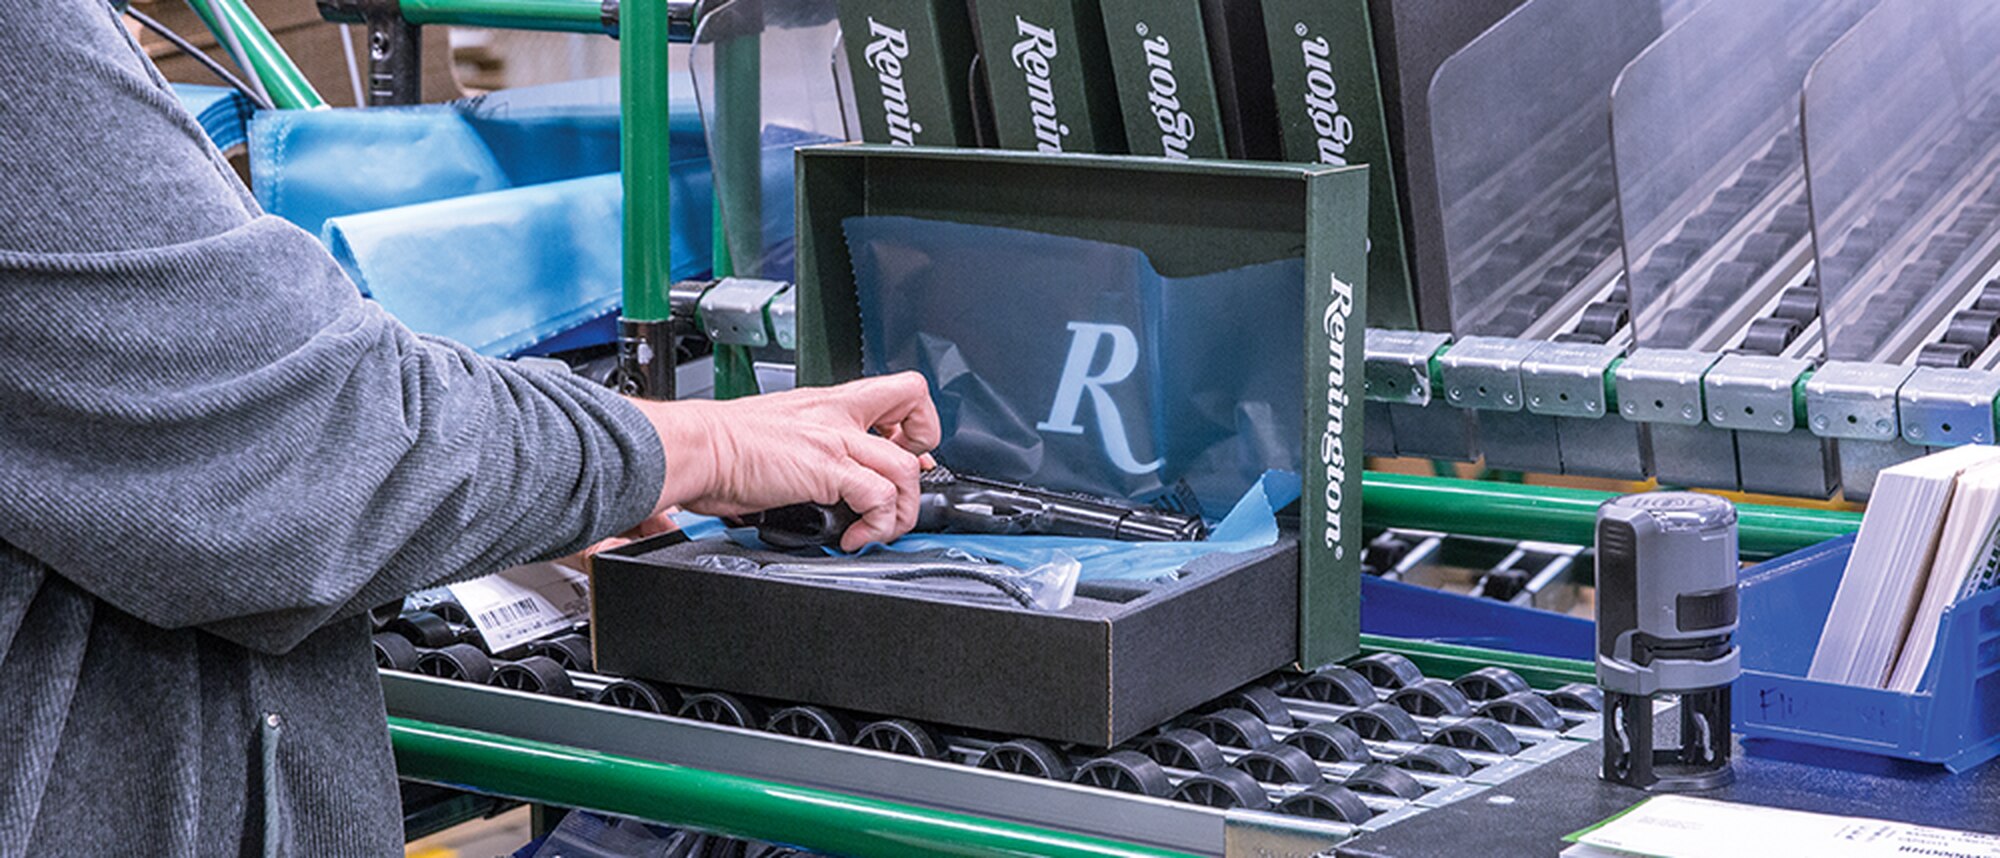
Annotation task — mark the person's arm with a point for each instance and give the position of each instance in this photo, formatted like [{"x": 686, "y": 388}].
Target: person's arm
[{"x": 204, "y": 425}]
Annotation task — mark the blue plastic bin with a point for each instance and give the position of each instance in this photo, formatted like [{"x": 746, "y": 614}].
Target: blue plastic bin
[{"x": 1953, "y": 719}]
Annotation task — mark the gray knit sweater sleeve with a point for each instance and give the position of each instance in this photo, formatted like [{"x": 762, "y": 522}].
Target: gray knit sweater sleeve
[{"x": 203, "y": 424}]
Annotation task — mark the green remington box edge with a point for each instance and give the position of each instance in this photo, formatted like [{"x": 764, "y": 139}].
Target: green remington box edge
[
  {"x": 1049, "y": 72},
  {"x": 911, "y": 62},
  {"x": 1166, "y": 86},
  {"x": 1186, "y": 217},
  {"x": 1330, "y": 111}
]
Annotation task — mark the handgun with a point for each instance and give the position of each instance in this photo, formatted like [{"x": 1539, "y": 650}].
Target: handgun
[{"x": 955, "y": 503}]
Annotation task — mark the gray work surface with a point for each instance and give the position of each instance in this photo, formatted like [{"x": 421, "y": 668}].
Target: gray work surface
[{"x": 1566, "y": 795}]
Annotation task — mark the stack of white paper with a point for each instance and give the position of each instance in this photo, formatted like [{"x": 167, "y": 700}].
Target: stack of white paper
[
  {"x": 1966, "y": 562},
  {"x": 1891, "y": 564}
]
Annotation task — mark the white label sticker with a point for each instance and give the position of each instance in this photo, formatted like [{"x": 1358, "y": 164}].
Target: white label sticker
[
  {"x": 1675, "y": 826},
  {"x": 521, "y": 604}
]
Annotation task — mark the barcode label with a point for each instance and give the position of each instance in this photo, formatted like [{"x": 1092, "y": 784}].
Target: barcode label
[
  {"x": 518, "y": 605},
  {"x": 507, "y": 615}
]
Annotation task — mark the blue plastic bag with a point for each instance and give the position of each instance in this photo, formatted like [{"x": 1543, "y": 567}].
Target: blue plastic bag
[
  {"x": 500, "y": 272},
  {"x": 1073, "y": 364}
]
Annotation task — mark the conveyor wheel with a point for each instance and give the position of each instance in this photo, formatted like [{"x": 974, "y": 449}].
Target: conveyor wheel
[
  {"x": 1126, "y": 771},
  {"x": 812, "y": 722},
  {"x": 1328, "y": 742},
  {"x": 1523, "y": 709},
  {"x": 640, "y": 696},
  {"x": 380, "y": 616},
  {"x": 452, "y": 612},
  {"x": 1223, "y": 788},
  {"x": 902, "y": 736},
  {"x": 1259, "y": 701},
  {"x": 535, "y": 675},
  {"x": 1431, "y": 698},
  {"x": 1488, "y": 683},
  {"x": 1280, "y": 764},
  {"x": 423, "y": 628},
  {"x": 1383, "y": 554},
  {"x": 1339, "y": 685},
  {"x": 1387, "y": 670},
  {"x": 394, "y": 652},
  {"x": 1233, "y": 727},
  {"x": 1182, "y": 748},
  {"x": 458, "y": 661},
  {"x": 721, "y": 707},
  {"x": 1436, "y": 759},
  {"x": 1384, "y": 721},
  {"x": 1331, "y": 802},
  {"x": 1579, "y": 696},
  {"x": 1382, "y": 779},
  {"x": 570, "y": 651},
  {"x": 1031, "y": 757},
  {"x": 1478, "y": 734}
]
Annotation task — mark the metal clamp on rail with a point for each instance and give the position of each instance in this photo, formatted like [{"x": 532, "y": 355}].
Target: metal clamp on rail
[
  {"x": 1948, "y": 407},
  {"x": 1856, "y": 404},
  {"x": 1757, "y": 397},
  {"x": 1571, "y": 383},
  {"x": 1663, "y": 387},
  {"x": 1400, "y": 375},
  {"x": 733, "y": 312},
  {"x": 1483, "y": 374}
]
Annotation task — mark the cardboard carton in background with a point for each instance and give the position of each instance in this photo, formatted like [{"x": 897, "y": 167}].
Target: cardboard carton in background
[
  {"x": 911, "y": 62},
  {"x": 1329, "y": 110},
  {"x": 1049, "y": 72},
  {"x": 1166, "y": 86}
]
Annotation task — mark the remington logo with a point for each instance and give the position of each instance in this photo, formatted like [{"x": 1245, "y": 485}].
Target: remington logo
[
  {"x": 1089, "y": 338},
  {"x": 1332, "y": 446},
  {"x": 1032, "y": 55},
  {"x": 1176, "y": 126},
  {"x": 885, "y": 55},
  {"x": 1334, "y": 130}
]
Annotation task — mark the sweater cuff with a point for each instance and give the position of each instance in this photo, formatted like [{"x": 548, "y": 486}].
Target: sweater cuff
[{"x": 645, "y": 464}]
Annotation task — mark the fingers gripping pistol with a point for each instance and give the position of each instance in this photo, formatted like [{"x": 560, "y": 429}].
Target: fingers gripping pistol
[{"x": 960, "y": 504}]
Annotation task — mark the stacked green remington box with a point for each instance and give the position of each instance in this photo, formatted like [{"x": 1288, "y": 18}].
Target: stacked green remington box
[
  {"x": 1329, "y": 107},
  {"x": 1166, "y": 86},
  {"x": 911, "y": 62},
  {"x": 1049, "y": 72}
]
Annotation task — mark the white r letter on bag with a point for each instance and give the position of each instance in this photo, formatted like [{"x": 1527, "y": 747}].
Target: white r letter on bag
[{"x": 1077, "y": 380}]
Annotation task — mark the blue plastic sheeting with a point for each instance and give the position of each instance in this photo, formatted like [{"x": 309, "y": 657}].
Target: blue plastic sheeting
[
  {"x": 1251, "y": 525},
  {"x": 493, "y": 221},
  {"x": 222, "y": 112},
  {"x": 500, "y": 272},
  {"x": 1057, "y": 361},
  {"x": 310, "y": 165},
  {"x": 1408, "y": 611}
]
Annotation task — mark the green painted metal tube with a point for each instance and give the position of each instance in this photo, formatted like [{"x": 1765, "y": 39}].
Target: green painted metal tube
[
  {"x": 1514, "y": 511},
  {"x": 645, "y": 100},
  {"x": 562, "y": 16},
  {"x": 1451, "y": 661},
  {"x": 281, "y": 77},
  {"x": 721, "y": 804}
]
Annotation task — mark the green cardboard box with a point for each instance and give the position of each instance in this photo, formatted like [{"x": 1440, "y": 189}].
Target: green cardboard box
[
  {"x": 1329, "y": 108},
  {"x": 1166, "y": 86},
  {"x": 1049, "y": 72},
  {"x": 1188, "y": 218},
  {"x": 1120, "y": 660},
  {"x": 911, "y": 62}
]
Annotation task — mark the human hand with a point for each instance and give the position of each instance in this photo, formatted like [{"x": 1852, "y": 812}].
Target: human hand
[{"x": 811, "y": 444}]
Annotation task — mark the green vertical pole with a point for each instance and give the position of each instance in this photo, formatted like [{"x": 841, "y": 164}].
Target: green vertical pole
[
  {"x": 737, "y": 154},
  {"x": 646, "y": 338}
]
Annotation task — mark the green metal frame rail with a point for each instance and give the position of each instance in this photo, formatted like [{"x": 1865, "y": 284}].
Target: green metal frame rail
[
  {"x": 288, "y": 87},
  {"x": 559, "y": 16},
  {"x": 718, "y": 803},
  {"x": 1515, "y": 511}
]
